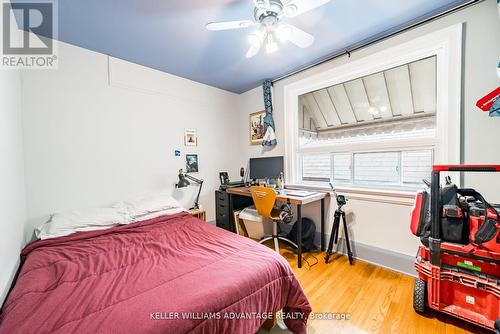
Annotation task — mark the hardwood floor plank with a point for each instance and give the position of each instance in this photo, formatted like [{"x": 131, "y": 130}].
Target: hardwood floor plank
[{"x": 378, "y": 300}]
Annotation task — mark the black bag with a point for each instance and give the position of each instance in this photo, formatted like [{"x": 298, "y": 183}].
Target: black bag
[
  {"x": 453, "y": 222},
  {"x": 424, "y": 226},
  {"x": 487, "y": 230},
  {"x": 308, "y": 233}
]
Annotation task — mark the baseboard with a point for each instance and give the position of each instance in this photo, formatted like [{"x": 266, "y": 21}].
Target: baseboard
[
  {"x": 378, "y": 256},
  {"x": 381, "y": 257}
]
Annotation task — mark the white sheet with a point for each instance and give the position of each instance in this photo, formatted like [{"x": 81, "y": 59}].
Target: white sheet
[
  {"x": 125, "y": 212},
  {"x": 65, "y": 223},
  {"x": 148, "y": 205},
  {"x": 157, "y": 214}
]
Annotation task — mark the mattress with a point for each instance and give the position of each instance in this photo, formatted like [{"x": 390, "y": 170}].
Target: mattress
[{"x": 171, "y": 274}]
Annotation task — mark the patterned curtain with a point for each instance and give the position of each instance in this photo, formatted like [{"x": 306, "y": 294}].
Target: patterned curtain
[{"x": 269, "y": 127}]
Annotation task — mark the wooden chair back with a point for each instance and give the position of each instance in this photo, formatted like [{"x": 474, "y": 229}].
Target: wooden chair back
[{"x": 264, "y": 199}]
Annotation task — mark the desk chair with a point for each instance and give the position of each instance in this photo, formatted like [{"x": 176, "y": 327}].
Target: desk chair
[{"x": 264, "y": 200}]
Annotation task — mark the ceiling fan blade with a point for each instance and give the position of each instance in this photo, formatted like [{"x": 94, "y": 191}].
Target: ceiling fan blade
[
  {"x": 261, "y": 4},
  {"x": 295, "y": 8},
  {"x": 215, "y": 26},
  {"x": 299, "y": 37}
]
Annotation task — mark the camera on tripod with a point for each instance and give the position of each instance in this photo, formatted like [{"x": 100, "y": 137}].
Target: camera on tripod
[
  {"x": 334, "y": 236},
  {"x": 341, "y": 200}
]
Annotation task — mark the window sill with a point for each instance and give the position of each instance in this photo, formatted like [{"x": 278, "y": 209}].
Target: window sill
[{"x": 399, "y": 197}]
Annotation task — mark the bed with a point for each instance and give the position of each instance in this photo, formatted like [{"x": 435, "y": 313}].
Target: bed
[{"x": 171, "y": 274}]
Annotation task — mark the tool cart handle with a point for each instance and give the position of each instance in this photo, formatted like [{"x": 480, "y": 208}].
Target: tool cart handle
[{"x": 466, "y": 168}]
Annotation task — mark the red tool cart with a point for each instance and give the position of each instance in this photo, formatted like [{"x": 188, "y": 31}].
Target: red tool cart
[{"x": 462, "y": 280}]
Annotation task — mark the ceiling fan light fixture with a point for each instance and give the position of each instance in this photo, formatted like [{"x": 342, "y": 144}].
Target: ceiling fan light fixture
[
  {"x": 256, "y": 38},
  {"x": 271, "y": 45}
]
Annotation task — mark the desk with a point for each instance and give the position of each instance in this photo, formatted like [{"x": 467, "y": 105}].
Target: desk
[{"x": 299, "y": 201}]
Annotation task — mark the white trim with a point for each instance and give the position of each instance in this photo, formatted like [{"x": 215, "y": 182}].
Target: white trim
[
  {"x": 385, "y": 146},
  {"x": 445, "y": 44},
  {"x": 406, "y": 198}
]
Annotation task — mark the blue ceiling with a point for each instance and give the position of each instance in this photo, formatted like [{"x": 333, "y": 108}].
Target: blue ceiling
[{"x": 170, "y": 35}]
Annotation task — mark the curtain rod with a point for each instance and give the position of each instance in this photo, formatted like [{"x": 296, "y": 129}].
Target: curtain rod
[{"x": 355, "y": 47}]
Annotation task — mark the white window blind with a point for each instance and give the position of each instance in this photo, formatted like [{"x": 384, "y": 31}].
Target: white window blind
[
  {"x": 316, "y": 167},
  {"x": 392, "y": 105},
  {"x": 342, "y": 167},
  {"x": 376, "y": 168},
  {"x": 396, "y": 169},
  {"x": 416, "y": 165}
]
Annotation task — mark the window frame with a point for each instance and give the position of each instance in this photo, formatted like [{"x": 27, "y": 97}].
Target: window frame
[
  {"x": 445, "y": 44},
  {"x": 351, "y": 183}
]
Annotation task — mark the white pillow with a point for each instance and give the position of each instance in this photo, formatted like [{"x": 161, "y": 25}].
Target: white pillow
[
  {"x": 65, "y": 223},
  {"x": 147, "y": 205},
  {"x": 157, "y": 214}
]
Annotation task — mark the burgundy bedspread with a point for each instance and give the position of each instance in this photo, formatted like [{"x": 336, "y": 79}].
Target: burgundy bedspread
[{"x": 172, "y": 274}]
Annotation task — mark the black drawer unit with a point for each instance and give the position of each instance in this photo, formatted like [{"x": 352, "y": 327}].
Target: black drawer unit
[{"x": 225, "y": 204}]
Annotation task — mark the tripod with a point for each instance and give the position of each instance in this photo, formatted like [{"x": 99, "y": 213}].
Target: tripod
[{"x": 334, "y": 236}]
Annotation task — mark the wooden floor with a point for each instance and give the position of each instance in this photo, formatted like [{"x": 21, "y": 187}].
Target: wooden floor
[{"x": 378, "y": 300}]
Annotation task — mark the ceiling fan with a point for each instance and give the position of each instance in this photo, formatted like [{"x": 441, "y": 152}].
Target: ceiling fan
[{"x": 267, "y": 17}]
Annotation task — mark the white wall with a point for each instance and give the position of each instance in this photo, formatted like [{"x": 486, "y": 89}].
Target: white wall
[
  {"x": 386, "y": 225},
  {"x": 90, "y": 142},
  {"x": 12, "y": 199},
  {"x": 12, "y": 195}
]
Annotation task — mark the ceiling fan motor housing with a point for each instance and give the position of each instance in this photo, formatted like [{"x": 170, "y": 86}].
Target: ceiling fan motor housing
[{"x": 268, "y": 13}]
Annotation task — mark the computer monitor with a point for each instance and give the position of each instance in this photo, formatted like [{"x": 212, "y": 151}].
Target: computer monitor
[{"x": 266, "y": 168}]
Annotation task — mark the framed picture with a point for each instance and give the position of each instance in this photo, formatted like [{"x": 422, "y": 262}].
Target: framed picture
[
  {"x": 192, "y": 163},
  {"x": 190, "y": 137},
  {"x": 256, "y": 127}
]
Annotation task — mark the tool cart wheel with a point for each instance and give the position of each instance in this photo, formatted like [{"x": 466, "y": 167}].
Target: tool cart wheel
[{"x": 419, "y": 295}]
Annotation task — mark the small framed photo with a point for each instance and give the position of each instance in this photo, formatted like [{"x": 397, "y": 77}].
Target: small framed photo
[
  {"x": 192, "y": 163},
  {"x": 256, "y": 128},
  {"x": 190, "y": 137}
]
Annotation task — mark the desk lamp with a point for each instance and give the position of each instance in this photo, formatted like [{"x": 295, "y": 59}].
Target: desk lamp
[{"x": 184, "y": 178}]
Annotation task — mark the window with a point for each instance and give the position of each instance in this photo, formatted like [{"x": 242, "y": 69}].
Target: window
[
  {"x": 316, "y": 167},
  {"x": 376, "y": 168},
  {"x": 342, "y": 167},
  {"x": 396, "y": 169},
  {"x": 377, "y": 121},
  {"x": 351, "y": 124},
  {"x": 396, "y": 104},
  {"x": 415, "y": 166}
]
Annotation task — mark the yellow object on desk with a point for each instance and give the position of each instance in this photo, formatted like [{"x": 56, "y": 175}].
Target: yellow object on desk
[{"x": 198, "y": 213}]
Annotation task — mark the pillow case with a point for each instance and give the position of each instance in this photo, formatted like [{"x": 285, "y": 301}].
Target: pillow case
[
  {"x": 65, "y": 223},
  {"x": 157, "y": 214},
  {"x": 148, "y": 205}
]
